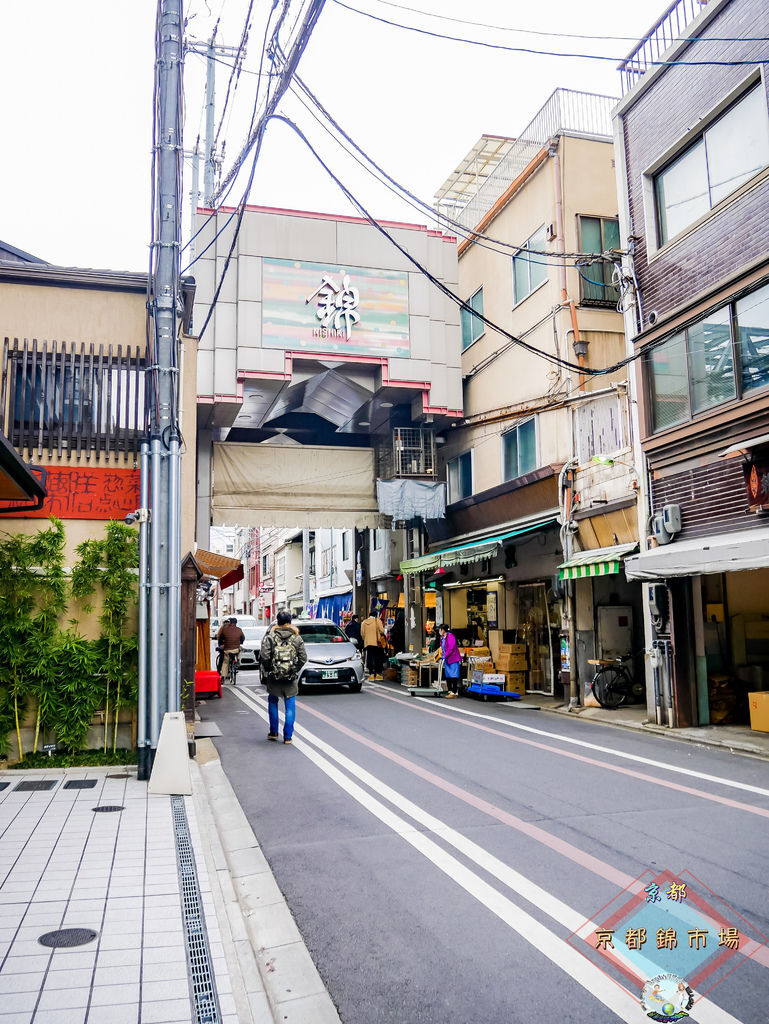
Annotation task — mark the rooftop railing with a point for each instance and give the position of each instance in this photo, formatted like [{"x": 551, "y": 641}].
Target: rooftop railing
[
  {"x": 670, "y": 27},
  {"x": 566, "y": 112}
]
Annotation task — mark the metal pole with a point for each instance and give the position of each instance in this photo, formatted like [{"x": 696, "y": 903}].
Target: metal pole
[
  {"x": 174, "y": 582},
  {"x": 141, "y": 711},
  {"x": 164, "y": 373},
  {"x": 306, "y": 569},
  {"x": 194, "y": 199},
  {"x": 208, "y": 174},
  {"x": 154, "y": 589}
]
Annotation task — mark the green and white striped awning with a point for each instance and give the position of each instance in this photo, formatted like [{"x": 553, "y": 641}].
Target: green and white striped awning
[
  {"x": 599, "y": 562},
  {"x": 474, "y": 551}
]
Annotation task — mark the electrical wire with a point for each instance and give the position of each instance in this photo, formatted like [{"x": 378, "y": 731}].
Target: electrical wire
[
  {"x": 569, "y": 35},
  {"x": 235, "y": 72},
  {"x": 424, "y": 207},
  {"x": 548, "y": 53}
]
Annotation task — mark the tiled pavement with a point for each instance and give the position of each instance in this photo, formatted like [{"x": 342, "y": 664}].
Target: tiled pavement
[{"x": 62, "y": 865}]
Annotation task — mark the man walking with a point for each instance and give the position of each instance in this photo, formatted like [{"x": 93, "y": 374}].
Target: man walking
[
  {"x": 282, "y": 656},
  {"x": 230, "y": 638},
  {"x": 352, "y": 629},
  {"x": 372, "y": 634}
]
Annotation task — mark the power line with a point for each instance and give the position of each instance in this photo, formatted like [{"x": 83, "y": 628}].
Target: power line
[
  {"x": 424, "y": 207},
  {"x": 235, "y": 72},
  {"x": 555, "y": 360},
  {"x": 568, "y": 35},
  {"x": 547, "y": 53}
]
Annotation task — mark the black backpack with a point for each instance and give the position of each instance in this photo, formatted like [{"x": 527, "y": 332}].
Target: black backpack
[{"x": 284, "y": 659}]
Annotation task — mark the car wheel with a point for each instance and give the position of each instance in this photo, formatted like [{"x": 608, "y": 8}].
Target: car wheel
[{"x": 355, "y": 687}]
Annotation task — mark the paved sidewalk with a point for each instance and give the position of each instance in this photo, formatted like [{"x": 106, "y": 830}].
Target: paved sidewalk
[{"x": 65, "y": 866}]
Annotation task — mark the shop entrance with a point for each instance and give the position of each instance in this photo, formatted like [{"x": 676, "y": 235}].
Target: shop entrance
[{"x": 535, "y": 629}]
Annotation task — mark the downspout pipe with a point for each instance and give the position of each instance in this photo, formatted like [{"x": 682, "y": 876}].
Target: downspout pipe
[
  {"x": 580, "y": 347},
  {"x": 142, "y": 742}
]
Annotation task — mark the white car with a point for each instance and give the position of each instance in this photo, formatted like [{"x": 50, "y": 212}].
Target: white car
[
  {"x": 252, "y": 645},
  {"x": 332, "y": 659},
  {"x": 244, "y": 621}
]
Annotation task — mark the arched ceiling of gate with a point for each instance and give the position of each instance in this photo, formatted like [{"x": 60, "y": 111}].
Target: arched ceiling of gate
[{"x": 293, "y": 485}]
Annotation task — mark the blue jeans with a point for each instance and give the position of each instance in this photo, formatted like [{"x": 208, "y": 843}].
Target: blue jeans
[{"x": 272, "y": 708}]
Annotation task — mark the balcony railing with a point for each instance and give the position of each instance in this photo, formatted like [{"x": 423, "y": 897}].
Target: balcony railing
[
  {"x": 670, "y": 27},
  {"x": 566, "y": 112}
]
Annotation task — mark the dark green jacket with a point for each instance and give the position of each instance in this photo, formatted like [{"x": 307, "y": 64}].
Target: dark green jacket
[{"x": 274, "y": 687}]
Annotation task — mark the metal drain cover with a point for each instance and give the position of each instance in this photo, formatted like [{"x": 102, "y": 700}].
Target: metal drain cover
[
  {"x": 80, "y": 784},
  {"x": 4, "y": 785},
  {"x": 36, "y": 786},
  {"x": 120, "y": 775},
  {"x": 108, "y": 807},
  {"x": 65, "y": 937}
]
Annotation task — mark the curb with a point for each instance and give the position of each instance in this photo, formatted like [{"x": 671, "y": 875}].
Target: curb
[
  {"x": 290, "y": 990},
  {"x": 734, "y": 747}
]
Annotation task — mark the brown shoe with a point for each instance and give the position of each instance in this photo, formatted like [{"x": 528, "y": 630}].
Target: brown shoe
[
  {"x": 288, "y": 741},
  {"x": 272, "y": 736}
]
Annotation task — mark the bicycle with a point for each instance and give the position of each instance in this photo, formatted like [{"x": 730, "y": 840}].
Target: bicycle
[
  {"x": 232, "y": 671},
  {"x": 612, "y": 684}
]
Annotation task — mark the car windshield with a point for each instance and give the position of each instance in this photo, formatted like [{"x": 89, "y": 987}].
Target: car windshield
[
  {"x": 246, "y": 621},
  {"x": 321, "y": 633},
  {"x": 254, "y": 634}
]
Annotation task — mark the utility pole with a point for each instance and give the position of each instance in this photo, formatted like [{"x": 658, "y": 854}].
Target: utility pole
[
  {"x": 162, "y": 639},
  {"x": 194, "y": 198},
  {"x": 211, "y": 160}
]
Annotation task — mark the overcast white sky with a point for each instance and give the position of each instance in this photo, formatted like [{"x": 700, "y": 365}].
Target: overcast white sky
[{"x": 75, "y": 178}]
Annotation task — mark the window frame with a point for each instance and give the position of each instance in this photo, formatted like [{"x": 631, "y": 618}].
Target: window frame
[
  {"x": 510, "y": 430},
  {"x": 737, "y": 365},
  {"x": 451, "y": 500},
  {"x": 519, "y": 256},
  {"x": 472, "y": 318},
  {"x": 684, "y": 144},
  {"x": 608, "y": 300}
]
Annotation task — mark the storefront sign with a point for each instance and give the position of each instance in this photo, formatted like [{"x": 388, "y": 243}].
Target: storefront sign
[
  {"x": 325, "y": 308},
  {"x": 491, "y": 609},
  {"x": 88, "y": 492},
  {"x": 757, "y": 481}
]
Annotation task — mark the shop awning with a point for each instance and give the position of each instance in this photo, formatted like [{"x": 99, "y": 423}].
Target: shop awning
[
  {"x": 730, "y": 552},
  {"x": 474, "y": 551},
  {"x": 226, "y": 570},
  {"x": 17, "y": 481},
  {"x": 598, "y": 562}
]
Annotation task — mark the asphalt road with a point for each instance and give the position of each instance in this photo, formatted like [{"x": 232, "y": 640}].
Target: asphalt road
[{"x": 443, "y": 858}]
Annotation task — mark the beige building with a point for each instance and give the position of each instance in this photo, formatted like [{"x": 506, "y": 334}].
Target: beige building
[{"x": 526, "y": 490}]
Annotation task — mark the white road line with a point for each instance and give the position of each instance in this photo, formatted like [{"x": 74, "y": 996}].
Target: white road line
[
  {"x": 595, "y": 981},
  {"x": 408, "y": 702}
]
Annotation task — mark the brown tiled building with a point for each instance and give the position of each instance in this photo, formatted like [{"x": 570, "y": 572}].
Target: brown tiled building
[{"x": 692, "y": 146}]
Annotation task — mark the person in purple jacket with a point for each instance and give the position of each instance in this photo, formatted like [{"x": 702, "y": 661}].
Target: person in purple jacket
[{"x": 452, "y": 659}]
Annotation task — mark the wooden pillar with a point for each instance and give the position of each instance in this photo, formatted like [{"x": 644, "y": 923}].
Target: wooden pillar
[{"x": 191, "y": 575}]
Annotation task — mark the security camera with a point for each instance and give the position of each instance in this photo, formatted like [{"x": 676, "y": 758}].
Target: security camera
[
  {"x": 141, "y": 515},
  {"x": 131, "y": 518},
  {"x": 653, "y": 317}
]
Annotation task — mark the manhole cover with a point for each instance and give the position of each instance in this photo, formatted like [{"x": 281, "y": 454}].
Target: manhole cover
[
  {"x": 108, "y": 807},
  {"x": 67, "y": 937},
  {"x": 80, "y": 784},
  {"x": 37, "y": 786}
]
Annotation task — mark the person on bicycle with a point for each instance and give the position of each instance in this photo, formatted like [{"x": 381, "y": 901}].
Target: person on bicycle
[
  {"x": 230, "y": 639},
  {"x": 281, "y": 658}
]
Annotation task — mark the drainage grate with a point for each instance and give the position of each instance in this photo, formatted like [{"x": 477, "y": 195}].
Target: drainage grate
[
  {"x": 38, "y": 786},
  {"x": 108, "y": 807},
  {"x": 205, "y": 999},
  {"x": 120, "y": 775},
  {"x": 80, "y": 784},
  {"x": 4, "y": 785},
  {"x": 66, "y": 937}
]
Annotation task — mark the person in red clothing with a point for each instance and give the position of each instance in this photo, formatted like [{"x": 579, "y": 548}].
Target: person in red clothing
[{"x": 452, "y": 659}]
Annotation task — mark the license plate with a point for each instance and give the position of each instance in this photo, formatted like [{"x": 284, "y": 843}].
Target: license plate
[{"x": 329, "y": 673}]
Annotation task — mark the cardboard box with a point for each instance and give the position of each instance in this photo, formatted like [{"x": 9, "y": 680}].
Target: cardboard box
[
  {"x": 512, "y": 648},
  {"x": 515, "y": 682},
  {"x": 759, "y": 711},
  {"x": 512, "y": 662}
]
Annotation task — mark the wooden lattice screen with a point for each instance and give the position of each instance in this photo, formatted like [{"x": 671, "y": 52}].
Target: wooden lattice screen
[{"x": 72, "y": 400}]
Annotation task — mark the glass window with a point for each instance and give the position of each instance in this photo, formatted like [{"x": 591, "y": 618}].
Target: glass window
[
  {"x": 345, "y": 546},
  {"x": 459, "y": 473},
  {"x": 732, "y": 150},
  {"x": 711, "y": 363},
  {"x": 597, "y": 234},
  {"x": 669, "y": 383},
  {"x": 519, "y": 450},
  {"x": 530, "y": 266},
  {"x": 753, "y": 338},
  {"x": 472, "y": 326}
]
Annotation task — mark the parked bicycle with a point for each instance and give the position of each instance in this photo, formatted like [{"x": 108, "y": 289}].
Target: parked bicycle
[
  {"x": 232, "y": 670},
  {"x": 612, "y": 685}
]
